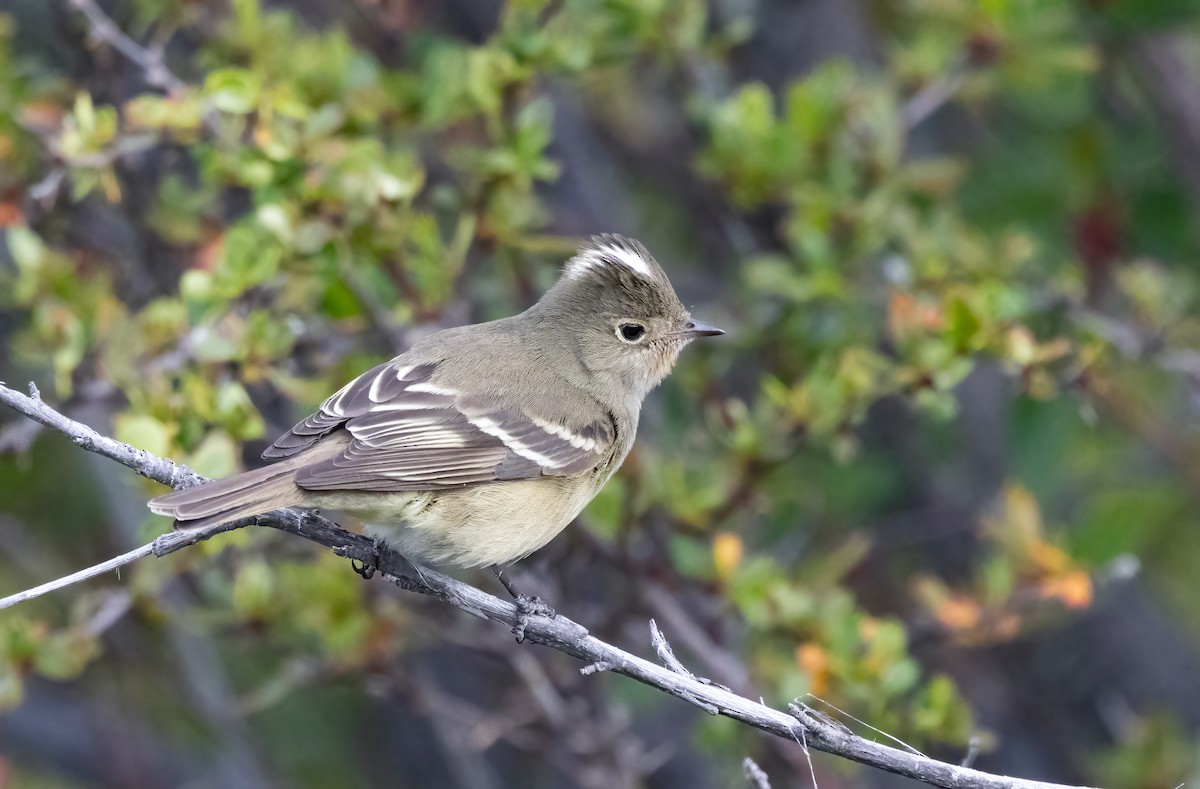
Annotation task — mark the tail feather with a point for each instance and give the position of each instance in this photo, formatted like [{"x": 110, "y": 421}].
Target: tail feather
[{"x": 232, "y": 498}]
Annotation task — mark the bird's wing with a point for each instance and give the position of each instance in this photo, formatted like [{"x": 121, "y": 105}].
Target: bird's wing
[{"x": 408, "y": 433}]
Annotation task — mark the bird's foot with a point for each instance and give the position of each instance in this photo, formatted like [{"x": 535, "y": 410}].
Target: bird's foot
[
  {"x": 527, "y": 607},
  {"x": 367, "y": 568}
]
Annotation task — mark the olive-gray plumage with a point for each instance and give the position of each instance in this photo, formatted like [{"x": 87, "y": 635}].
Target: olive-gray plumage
[{"x": 479, "y": 444}]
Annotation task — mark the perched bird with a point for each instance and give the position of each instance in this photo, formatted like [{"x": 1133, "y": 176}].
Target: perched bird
[{"x": 481, "y": 443}]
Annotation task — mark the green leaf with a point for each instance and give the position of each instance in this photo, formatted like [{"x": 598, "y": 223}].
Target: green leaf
[
  {"x": 962, "y": 325},
  {"x": 233, "y": 90},
  {"x": 900, "y": 676},
  {"x": 64, "y": 655},
  {"x": 274, "y": 217},
  {"x": 603, "y": 514},
  {"x": 12, "y": 689},
  {"x": 216, "y": 456},
  {"x": 144, "y": 432},
  {"x": 253, "y": 589},
  {"x": 25, "y": 247}
]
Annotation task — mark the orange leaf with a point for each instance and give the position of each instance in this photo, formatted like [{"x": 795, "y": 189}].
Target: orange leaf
[
  {"x": 209, "y": 255},
  {"x": 1074, "y": 589},
  {"x": 906, "y": 313},
  {"x": 814, "y": 661},
  {"x": 958, "y": 613},
  {"x": 1005, "y": 628},
  {"x": 10, "y": 214},
  {"x": 42, "y": 115}
]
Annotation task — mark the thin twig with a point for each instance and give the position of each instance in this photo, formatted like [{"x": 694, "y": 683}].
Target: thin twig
[
  {"x": 165, "y": 471},
  {"x": 812, "y": 770},
  {"x": 667, "y": 656},
  {"x": 150, "y": 61},
  {"x": 755, "y": 775},
  {"x": 972, "y": 754},
  {"x": 112, "y": 607},
  {"x": 559, "y": 633},
  {"x": 717, "y": 660},
  {"x": 465, "y": 765},
  {"x": 896, "y": 740},
  {"x": 664, "y": 651},
  {"x": 932, "y": 98},
  {"x": 74, "y": 578}
]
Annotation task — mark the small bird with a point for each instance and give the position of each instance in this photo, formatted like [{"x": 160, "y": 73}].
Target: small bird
[{"x": 478, "y": 445}]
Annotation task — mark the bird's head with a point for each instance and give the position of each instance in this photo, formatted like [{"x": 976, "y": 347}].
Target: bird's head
[{"x": 622, "y": 315}]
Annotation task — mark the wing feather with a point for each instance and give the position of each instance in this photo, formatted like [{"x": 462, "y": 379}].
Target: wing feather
[{"x": 411, "y": 433}]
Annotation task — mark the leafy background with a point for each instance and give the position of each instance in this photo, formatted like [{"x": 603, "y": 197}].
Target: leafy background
[{"x": 943, "y": 473}]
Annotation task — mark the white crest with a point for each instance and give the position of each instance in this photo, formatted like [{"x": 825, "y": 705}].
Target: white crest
[{"x": 605, "y": 252}]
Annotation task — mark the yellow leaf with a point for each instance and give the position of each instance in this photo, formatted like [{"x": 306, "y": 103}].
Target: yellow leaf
[
  {"x": 1023, "y": 514},
  {"x": 727, "y": 553},
  {"x": 1018, "y": 525},
  {"x": 1022, "y": 347},
  {"x": 1048, "y": 558}
]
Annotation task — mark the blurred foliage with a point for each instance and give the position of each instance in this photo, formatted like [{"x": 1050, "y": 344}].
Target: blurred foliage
[{"x": 301, "y": 201}]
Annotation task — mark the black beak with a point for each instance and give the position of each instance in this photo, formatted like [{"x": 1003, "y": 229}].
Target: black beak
[{"x": 695, "y": 328}]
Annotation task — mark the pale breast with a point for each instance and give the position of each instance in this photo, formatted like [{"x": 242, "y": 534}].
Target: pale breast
[{"x": 493, "y": 524}]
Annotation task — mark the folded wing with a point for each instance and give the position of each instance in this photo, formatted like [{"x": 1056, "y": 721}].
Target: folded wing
[{"x": 409, "y": 433}]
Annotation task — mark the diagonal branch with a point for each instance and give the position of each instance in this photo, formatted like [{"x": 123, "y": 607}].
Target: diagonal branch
[
  {"x": 150, "y": 61},
  {"x": 932, "y": 97},
  {"x": 78, "y": 577},
  {"x": 801, "y": 726}
]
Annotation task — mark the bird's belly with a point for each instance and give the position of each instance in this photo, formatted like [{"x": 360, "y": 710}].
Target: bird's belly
[{"x": 493, "y": 524}]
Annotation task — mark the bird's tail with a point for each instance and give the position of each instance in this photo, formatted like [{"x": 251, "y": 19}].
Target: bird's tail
[{"x": 231, "y": 498}]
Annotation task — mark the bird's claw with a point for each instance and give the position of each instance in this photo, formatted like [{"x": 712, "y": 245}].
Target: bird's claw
[
  {"x": 367, "y": 568},
  {"x": 528, "y": 607}
]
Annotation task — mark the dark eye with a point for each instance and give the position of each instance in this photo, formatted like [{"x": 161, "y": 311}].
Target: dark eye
[{"x": 631, "y": 332}]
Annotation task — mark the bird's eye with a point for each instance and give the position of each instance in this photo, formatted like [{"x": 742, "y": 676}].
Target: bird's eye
[{"x": 631, "y": 332}]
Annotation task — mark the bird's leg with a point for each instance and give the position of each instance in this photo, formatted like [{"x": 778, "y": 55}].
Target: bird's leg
[
  {"x": 367, "y": 568},
  {"x": 526, "y": 606}
]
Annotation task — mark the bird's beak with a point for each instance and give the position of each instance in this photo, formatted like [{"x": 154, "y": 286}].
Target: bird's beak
[{"x": 694, "y": 328}]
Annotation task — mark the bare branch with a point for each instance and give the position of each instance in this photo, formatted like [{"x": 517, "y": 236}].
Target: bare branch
[
  {"x": 667, "y": 656},
  {"x": 149, "y": 466},
  {"x": 1173, "y": 85},
  {"x": 665, "y": 653},
  {"x": 932, "y": 97},
  {"x": 972, "y": 752},
  {"x": 809, "y": 710},
  {"x": 150, "y": 61},
  {"x": 718, "y": 660},
  {"x": 74, "y": 578},
  {"x": 560, "y": 633}
]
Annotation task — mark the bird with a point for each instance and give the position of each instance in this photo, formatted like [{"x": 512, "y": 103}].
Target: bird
[{"x": 481, "y": 443}]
